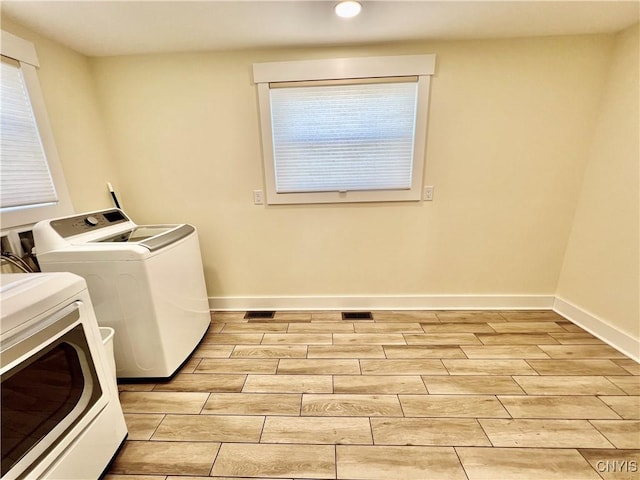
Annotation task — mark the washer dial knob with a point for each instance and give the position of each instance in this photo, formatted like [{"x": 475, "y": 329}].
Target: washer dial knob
[{"x": 91, "y": 221}]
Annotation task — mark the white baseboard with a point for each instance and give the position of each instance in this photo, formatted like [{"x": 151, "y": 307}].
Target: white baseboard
[
  {"x": 389, "y": 302},
  {"x": 611, "y": 335}
]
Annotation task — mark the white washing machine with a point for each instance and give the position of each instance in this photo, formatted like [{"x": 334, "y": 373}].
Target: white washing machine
[
  {"x": 61, "y": 417},
  {"x": 146, "y": 282}
]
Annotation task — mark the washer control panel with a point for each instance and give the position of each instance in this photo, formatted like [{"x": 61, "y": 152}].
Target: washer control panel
[{"x": 67, "y": 227}]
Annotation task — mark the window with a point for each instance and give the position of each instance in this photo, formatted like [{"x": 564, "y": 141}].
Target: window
[
  {"x": 344, "y": 130},
  {"x": 32, "y": 186}
]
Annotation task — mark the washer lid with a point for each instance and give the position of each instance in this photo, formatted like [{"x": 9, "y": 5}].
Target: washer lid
[
  {"x": 152, "y": 237},
  {"x": 24, "y": 296}
]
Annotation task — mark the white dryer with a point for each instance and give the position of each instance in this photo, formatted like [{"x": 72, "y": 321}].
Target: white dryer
[
  {"x": 146, "y": 282},
  {"x": 61, "y": 417}
]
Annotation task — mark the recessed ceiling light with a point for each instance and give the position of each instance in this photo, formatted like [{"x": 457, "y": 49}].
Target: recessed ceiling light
[{"x": 348, "y": 8}]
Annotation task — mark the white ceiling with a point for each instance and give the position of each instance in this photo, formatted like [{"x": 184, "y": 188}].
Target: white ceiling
[{"x": 117, "y": 27}]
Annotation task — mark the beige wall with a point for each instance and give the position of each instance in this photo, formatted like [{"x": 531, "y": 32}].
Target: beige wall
[
  {"x": 601, "y": 268},
  {"x": 68, "y": 90},
  {"x": 508, "y": 139},
  {"x": 509, "y": 144}
]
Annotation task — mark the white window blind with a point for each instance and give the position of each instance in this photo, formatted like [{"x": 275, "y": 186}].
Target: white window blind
[
  {"x": 342, "y": 130},
  {"x": 344, "y": 137},
  {"x": 25, "y": 179}
]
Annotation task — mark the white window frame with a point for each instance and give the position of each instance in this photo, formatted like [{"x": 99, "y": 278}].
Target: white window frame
[
  {"x": 25, "y": 54},
  {"x": 422, "y": 66}
]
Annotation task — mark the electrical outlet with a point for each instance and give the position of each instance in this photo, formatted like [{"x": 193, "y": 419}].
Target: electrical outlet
[
  {"x": 257, "y": 197},
  {"x": 428, "y": 193}
]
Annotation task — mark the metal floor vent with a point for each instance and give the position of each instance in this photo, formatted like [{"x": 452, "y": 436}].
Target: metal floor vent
[
  {"x": 357, "y": 316},
  {"x": 260, "y": 314}
]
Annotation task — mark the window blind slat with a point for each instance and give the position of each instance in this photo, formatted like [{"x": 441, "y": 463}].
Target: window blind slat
[
  {"x": 25, "y": 179},
  {"x": 343, "y": 137}
]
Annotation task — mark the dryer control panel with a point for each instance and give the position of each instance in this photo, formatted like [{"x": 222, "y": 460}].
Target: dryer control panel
[{"x": 67, "y": 227}]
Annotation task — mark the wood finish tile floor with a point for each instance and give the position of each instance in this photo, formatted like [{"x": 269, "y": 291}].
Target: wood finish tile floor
[{"x": 407, "y": 395}]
